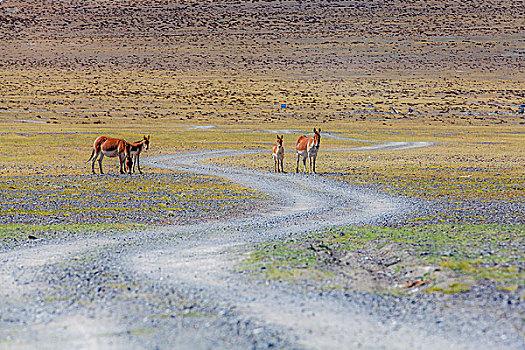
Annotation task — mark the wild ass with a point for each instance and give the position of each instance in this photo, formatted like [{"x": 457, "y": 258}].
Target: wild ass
[
  {"x": 307, "y": 148},
  {"x": 278, "y": 155},
  {"x": 134, "y": 149},
  {"x": 110, "y": 147}
]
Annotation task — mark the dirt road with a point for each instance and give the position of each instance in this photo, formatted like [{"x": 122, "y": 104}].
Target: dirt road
[{"x": 178, "y": 286}]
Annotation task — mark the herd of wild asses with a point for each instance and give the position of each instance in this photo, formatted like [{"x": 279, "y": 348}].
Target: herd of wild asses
[{"x": 128, "y": 153}]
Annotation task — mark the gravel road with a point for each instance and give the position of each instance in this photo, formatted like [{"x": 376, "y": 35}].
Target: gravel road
[{"x": 178, "y": 287}]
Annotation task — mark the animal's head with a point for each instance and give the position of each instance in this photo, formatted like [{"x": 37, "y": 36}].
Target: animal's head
[
  {"x": 317, "y": 138},
  {"x": 280, "y": 140},
  {"x": 146, "y": 141},
  {"x": 129, "y": 164}
]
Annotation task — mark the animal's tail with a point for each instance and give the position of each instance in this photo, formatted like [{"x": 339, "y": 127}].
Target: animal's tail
[{"x": 92, "y": 153}]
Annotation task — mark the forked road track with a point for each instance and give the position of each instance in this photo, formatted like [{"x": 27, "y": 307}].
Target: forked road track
[
  {"x": 202, "y": 260},
  {"x": 306, "y": 203}
]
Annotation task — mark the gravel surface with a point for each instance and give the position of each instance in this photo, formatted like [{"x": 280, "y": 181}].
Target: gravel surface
[{"x": 178, "y": 287}]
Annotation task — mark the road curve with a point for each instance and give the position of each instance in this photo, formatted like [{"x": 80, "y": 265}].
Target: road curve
[
  {"x": 52, "y": 297},
  {"x": 306, "y": 203}
]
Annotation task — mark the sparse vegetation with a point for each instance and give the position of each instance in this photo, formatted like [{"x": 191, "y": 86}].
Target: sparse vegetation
[
  {"x": 214, "y": 75},
  {"x": 21, "y": 232},
  {"x": 442, "y": 255},
  {"x": 51, "y": 206}
]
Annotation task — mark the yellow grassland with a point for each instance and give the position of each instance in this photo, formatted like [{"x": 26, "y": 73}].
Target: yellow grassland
[{"x": 49, "y": 118}]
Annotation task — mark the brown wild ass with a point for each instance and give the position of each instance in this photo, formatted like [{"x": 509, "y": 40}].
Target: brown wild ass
[
  {"x": 110, "y": 147},
  {"x": 134, "y": 149},
  {"x": 307, "y": 148},
  {"x": 278, "y": 155}
]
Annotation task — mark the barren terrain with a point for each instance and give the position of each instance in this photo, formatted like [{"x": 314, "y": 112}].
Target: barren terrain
[
  {"x": 176, "y": 273},
  {"x": 411, "y": 235}
]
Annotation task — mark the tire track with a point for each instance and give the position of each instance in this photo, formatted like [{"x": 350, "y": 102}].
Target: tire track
[
  {"x": 199, "y": 262},
  {"x": 207, "y": 259}
]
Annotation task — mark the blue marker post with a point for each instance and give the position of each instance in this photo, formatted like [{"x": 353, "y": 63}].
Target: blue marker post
[{"x": 283, "y": 105}]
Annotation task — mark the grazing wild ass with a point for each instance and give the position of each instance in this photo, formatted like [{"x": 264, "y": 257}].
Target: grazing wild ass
[
  {"x": 110, "y": 147},
  {"x": 134, "y": 149},
  {"x": 307, "y": 147},
  {"x": 278, "y": 155}
]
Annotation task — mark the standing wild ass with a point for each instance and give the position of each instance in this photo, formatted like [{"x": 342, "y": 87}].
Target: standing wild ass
[
  {"x": 278, "y": 155},
  {"x": 134, "y": 149},
  {"x": 110, "y": 147},
  {"x": 307, "y": 147}
]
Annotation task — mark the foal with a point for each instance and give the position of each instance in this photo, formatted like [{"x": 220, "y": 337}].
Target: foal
[
  {"x": 134, "y": 149},
  {"x": 278, "y": 155},
  {"x": 307, "y": 148},
  {"x": 110, "y": 147}
]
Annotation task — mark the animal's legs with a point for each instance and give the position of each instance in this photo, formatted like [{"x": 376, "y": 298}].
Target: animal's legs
[
  {"x": 94, "y": 159},
  {"x": 100, "y": 162},
  {"x": 121, "y": 158},
  {"x": 282, "y": 166},
  {"x": 297, "y": 167},
  {"x": 138, "y": 163},
  {"x": 304, "y": 163}
]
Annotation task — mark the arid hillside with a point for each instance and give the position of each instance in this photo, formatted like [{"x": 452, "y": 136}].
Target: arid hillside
[{"x": 356, "y": 37}]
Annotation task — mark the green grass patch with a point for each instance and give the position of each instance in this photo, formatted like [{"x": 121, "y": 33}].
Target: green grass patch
[
  {"x": 493, "y": 253},
  {"x": 142, "y": 331},
  {"x": 453, "y": 288},
  {"x": 286, "y": 261}
]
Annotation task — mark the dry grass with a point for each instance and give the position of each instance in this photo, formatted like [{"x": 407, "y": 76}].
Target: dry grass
[
  {"x": 467, "y": 161},
  {"x": 45, "y": 113},
  {"x": 442, "y": 71},
  {"x": 80, "y": 69}
]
